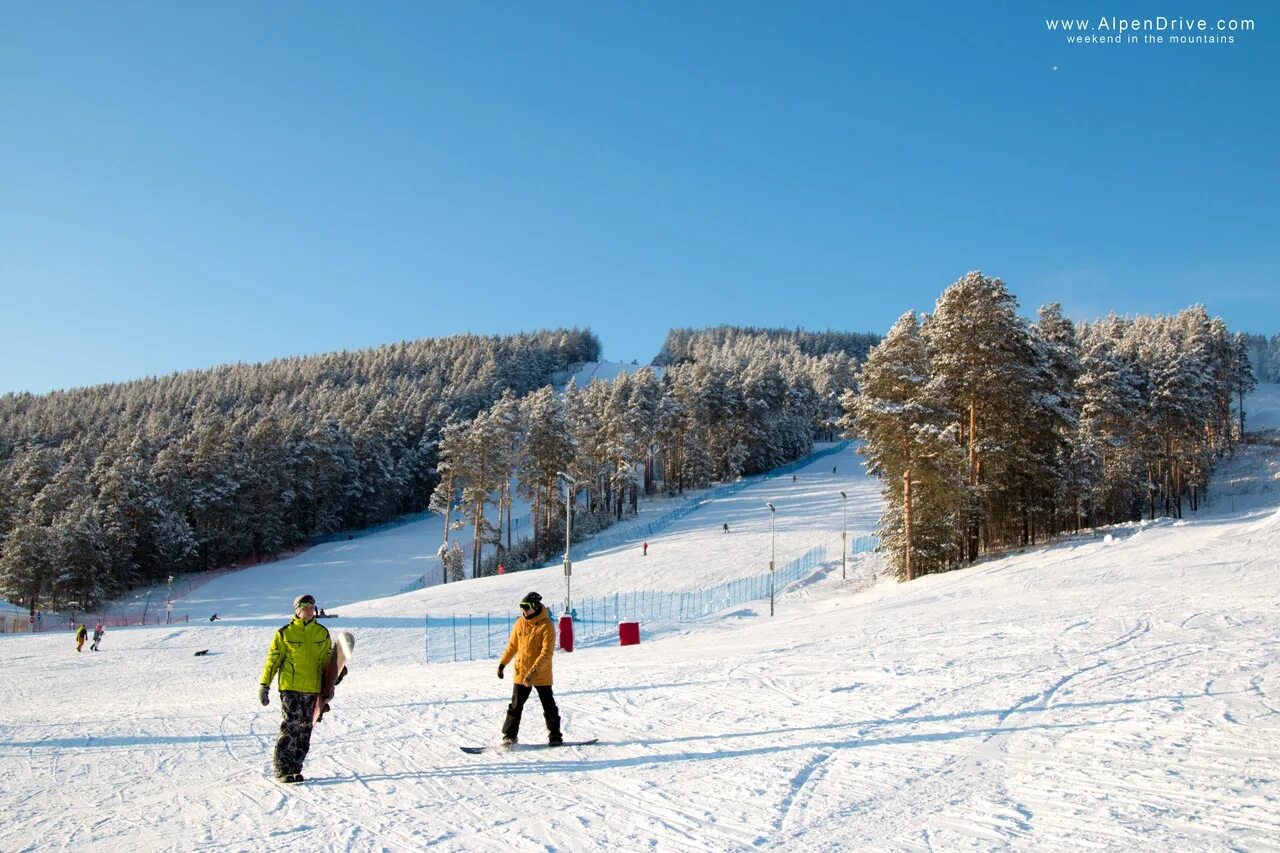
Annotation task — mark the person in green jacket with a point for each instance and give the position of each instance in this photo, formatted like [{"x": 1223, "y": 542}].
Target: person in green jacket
[{"x": 298, "y": 654}]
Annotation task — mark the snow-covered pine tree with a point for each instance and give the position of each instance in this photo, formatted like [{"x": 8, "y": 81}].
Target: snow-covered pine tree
[
  {"x": 28, "y": 564},
  {"x": 620, "y": 440},
  {"x": 1053, "y": 485},
  {"x": 453, "y": 449},
  {"x": 980, "y": 351},
  {"x": 587, "y": 417},
  {"x": 508, "y": 429},
  {"x": 1242, "y": 379},
  {"x": 81, "y": 578},
  {"x": 910, "y": 443},
  {"x": 1105, "y": 448},
  {"x": 480, "y": 472},
  {"x": 646, "y": 397},
  {"x": 548, "y": 451},
  {"x": 670, "y": 434}
]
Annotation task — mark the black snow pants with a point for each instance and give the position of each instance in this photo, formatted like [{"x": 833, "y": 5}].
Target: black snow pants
[
  {"x": 519, "y": 695},
  {"x": 295, "y": 731}
]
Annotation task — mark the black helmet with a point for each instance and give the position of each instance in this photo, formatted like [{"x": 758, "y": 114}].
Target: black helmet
[{"x": 532, "y": 599}]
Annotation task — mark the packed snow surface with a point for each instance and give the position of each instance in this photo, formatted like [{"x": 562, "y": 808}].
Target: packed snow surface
[{"x": 1115, "y": 690}]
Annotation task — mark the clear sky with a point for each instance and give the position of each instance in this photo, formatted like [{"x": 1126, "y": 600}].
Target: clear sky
[{"x": 188, "y": 184}]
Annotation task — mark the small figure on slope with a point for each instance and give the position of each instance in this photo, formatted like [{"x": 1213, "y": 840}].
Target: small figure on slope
[
  {"x": 298, "y": 653},
  {"x": 532, "y": 643},
  {"x": 81, "y": 633},
  {"x": 98, "y": 631}
]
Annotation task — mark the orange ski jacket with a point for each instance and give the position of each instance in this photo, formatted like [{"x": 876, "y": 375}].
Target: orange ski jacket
[{"x": 532, "y": 643}]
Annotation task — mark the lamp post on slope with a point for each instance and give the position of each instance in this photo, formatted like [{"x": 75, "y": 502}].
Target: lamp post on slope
[
  {"x": 844, "y": 536},
  {"x": 773, "y": 551},
  {"x": 571, "y": 487}
]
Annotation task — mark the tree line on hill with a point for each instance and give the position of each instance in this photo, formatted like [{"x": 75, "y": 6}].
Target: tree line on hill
[
  {"x": 735, "y": 402},
  {"x": 684, "y": 345},
  {"x": 107, "y": 487},
  {"x": 1264, "y": 356},
  {"x": 991, "y": 432}
]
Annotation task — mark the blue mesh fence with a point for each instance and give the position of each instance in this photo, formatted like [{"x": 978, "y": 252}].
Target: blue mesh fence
[{"x": 472, "y": 637}]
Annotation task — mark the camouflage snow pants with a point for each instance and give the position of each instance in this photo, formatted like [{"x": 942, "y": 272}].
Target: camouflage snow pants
[{"x": 295, "y": 731}]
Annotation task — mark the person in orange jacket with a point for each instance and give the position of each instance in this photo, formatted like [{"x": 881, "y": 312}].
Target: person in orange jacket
[{"x": 532, "y": 643}]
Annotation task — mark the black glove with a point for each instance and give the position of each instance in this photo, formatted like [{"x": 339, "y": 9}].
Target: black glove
[
  {"x": 264, "y": 692},
  {"x": 501, "y": 666}
]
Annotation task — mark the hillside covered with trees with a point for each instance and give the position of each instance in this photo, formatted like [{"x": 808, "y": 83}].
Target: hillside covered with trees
[
  {"x": 737, "y": 402},
  {"x": 105, "y": 487},
  {"x": 991, "y": 432}
]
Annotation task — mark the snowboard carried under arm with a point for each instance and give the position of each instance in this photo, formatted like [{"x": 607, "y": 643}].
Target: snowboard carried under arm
[{"x": 334, "y": 671}]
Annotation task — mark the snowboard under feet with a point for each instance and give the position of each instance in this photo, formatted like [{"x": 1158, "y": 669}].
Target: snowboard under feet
[{"x": 520, "y": 747}]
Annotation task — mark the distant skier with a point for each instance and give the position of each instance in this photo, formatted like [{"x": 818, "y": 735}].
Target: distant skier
[
  {"x": 793, "y": 478},
  {"x": 833, "y": 469},
  {"x": 532, "y": 643},
  {"x": 298, "y": 653},
  {"x": 97, "y": 637},
  {"x": 726, "y": 527},
  {"x": 81, "y": 633},
  {"x": 213, "y": 618},
  {"x": 644, "y": 550}
]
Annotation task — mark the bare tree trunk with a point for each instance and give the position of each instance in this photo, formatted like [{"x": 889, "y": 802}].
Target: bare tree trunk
[
  {"x": 1177, "y": 488},
  {"x": 906, "y": 522},
  {"x": 973, "y": 480},
  {"x": 536, "y": 518},
  {"x": 502, "y": 500},
  {"x": 1151, "y": 493},
  {"x": 1240, "y": 390},
  {"x": 1026, "y": 519},
  {"x": 477, "y": 539},
  {"x": 448, "y": 508}
]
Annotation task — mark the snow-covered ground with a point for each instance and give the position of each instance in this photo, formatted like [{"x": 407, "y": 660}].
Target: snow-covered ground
[
  {"x": 1110, "y": 691},
  {"x": 605, "y": 371}
]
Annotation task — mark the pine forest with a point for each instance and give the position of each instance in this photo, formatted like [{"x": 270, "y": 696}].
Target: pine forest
[{"x": 989, "y": 431}]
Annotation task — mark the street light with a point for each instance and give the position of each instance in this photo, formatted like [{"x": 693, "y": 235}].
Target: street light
[
  {"x": 773, "y": 550},
  {"x": 571, "y": 487},
  {"x": 844, "y": 536}
]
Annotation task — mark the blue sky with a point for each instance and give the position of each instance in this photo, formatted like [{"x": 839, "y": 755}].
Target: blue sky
[{"x": 190, "y": 184}]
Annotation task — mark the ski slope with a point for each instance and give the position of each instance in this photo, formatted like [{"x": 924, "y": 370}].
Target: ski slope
[{"x": 1117, "y": 690}]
